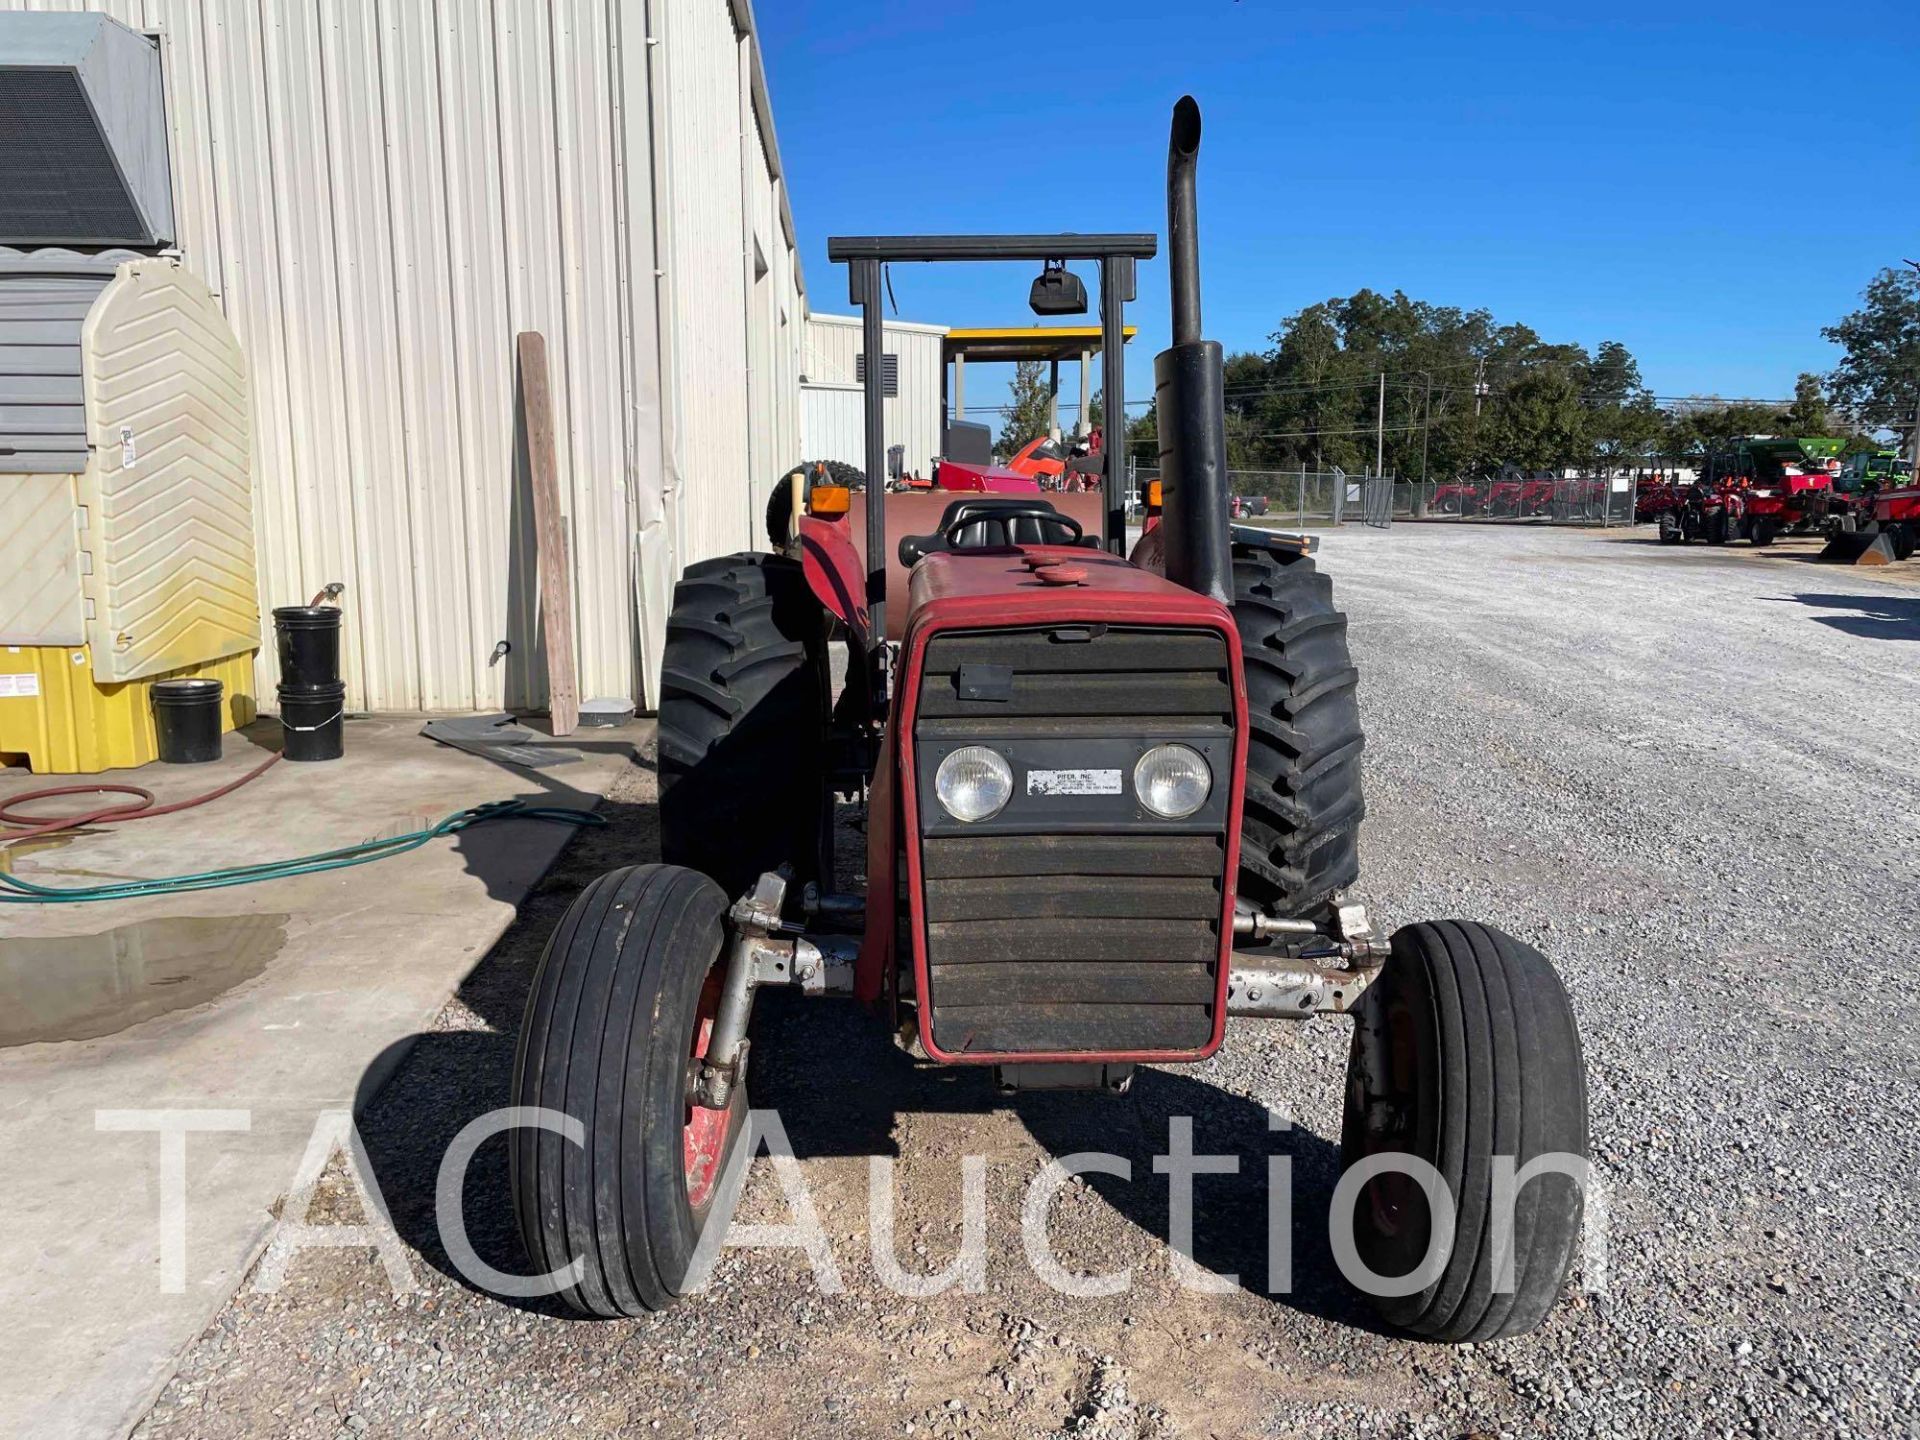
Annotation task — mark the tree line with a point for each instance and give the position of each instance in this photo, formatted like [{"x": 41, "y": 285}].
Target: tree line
[{"x": 1466, "y": 395}]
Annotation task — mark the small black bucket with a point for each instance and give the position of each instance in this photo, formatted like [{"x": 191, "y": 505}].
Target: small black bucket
[
  {"x": 186, "y": 720},
  {"x": 308, "y": 637},
  {"x": 313, "y": 722}
]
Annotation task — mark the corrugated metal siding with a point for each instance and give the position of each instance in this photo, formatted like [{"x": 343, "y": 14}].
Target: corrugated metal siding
[
  {"x": 835, "y": 423},
  {"x": 912, "y": 416},
  {"x": 381, "y": 193},
  {"x": 707, "y": 278}
]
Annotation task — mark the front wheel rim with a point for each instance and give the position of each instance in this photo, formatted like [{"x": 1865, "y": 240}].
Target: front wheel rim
[
  {"x": 1385, "y": 1095},
  {"x": 703, "y": 1134}
]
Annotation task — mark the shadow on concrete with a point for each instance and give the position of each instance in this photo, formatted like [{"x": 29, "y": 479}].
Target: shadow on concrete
[
  {"x": 524, "y": 682},
  {"x": 1873, "y": 617},
  {"x": 488, "y": 851},
  {"x": 839, "y": 1085}
]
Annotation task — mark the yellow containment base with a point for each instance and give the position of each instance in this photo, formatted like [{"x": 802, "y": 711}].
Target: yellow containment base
[{"x": 56, "y": 718}]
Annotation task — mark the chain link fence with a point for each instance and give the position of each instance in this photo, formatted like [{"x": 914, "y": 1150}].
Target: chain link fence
[
  {"x": 1307, "y": 498},
  {"x": 1291, "y": 497},
  {"x": 1587, "y": 500}
]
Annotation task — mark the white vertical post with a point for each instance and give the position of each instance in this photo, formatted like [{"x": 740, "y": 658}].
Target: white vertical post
[
  {"x": 1380, "y": 430},
  {"x": 1083, "y": 423}
]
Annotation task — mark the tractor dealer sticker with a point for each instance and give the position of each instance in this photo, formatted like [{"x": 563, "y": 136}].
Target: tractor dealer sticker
[
  {"x": 14, "y": 687},
  {"x": 1073, "y": 782}
]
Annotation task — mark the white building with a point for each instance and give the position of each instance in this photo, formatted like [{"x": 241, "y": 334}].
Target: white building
[
  {"x": 832, "y": 427},
  {"x": 381, "y": 196}
]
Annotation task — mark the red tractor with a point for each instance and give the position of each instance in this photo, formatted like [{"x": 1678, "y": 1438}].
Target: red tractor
[
  {"x": 1757, "y": 489},
  {"x": 1883, "y": 520},
  {"x": 1886, "y": 528},
  {"x": 1457, "y": 497},
  {"x": 1109, "y": 803}
]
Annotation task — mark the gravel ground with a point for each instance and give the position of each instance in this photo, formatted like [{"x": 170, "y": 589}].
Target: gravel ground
[{"x": 1685, "y": 775}]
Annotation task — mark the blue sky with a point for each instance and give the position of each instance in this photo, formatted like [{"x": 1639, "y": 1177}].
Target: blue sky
[{"x": 1708, "y": 183}]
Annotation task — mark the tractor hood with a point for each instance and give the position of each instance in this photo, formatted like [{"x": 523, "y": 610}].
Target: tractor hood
[{"x": 979, "y": 589}]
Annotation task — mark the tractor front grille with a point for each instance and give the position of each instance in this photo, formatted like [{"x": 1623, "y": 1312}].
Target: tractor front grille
[{"x": 1070, "y": 926}]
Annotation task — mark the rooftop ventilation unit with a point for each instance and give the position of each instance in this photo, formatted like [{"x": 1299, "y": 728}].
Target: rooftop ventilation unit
[{"x": 83, "y": 134}]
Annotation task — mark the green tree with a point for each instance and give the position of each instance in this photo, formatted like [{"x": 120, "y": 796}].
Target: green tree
[
  {"x": 1623, "y": 424},
  {"x": 1542, "y": 420},
  {"x": 1878, "y": 377},
  {"x": 1809, "y": 415},
  {"x": 1613, "y": 375},
  {"x": 1027, "y": 417}
]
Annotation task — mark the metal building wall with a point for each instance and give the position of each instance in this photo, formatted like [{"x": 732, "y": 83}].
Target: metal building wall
[
  {"x": 381, "y": 193},
  {"x": 912, "y": 417}
]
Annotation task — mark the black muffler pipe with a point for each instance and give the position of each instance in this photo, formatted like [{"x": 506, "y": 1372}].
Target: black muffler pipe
[{"x": 1189, "y": 393}]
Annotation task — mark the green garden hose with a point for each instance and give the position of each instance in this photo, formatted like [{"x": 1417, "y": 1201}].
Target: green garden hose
[{"x": 15, "y": 891}]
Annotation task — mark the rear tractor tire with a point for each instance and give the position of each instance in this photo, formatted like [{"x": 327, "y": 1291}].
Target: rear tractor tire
[
  {"x": 1465, "y": 1050},
  {"x": 1299, "y": 838},
  {"x": 616, "y": 1023},
  {"x": 743, "y": 713}
]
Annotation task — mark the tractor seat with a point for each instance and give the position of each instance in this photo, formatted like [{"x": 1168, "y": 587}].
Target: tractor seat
[{"x": 989, "y": 530}]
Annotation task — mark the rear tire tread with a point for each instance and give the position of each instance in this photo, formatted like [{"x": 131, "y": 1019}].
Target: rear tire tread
[
  {"x": 1303, "y": 797},
  {"x": 743, "y": 711}
]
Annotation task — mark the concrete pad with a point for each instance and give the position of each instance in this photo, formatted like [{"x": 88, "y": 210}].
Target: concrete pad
[{"x": 348, "y": 963}]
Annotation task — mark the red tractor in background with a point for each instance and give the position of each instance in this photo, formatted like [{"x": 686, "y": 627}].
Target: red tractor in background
[
  {"x": 1108, "y": 801},
  {"x": 1060, "y": 464},
  {"x": 1884, "y": 523},
  {"x": 1756, "y": 489},
  {"x": 1456, "y": 497}
]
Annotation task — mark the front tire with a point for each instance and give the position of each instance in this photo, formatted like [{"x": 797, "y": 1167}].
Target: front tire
[
  {"x": 1670, "y": 531},
  {"x": 1299, "y": 838},
  {"x": 1466, "y": 1049},
  {"x": 615, "y": 1025}
]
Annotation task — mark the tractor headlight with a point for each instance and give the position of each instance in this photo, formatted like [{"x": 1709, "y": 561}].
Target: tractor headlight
[
  {"x": 1173, "y": 781},
  {"x": 973, "y": 783}
]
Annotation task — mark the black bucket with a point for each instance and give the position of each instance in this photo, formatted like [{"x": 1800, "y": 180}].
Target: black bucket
[
  {"x": 309, "y": 641},
  {"x": 186, "y": 720},
  {"x": 313, "y": 722}
]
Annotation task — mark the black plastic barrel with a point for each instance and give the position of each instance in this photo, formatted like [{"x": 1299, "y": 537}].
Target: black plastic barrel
[
  {"x": 186, "y": 720},
  {"x": 313, "y": 722},
  {"x": 309, "y": 642}
]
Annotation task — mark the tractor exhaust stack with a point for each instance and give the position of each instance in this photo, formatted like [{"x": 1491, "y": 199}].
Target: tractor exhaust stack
[{"x": 1189, "y": 395}]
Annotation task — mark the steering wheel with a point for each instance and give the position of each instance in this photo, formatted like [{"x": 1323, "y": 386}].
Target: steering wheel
[{"x": 1046, "y": 514}]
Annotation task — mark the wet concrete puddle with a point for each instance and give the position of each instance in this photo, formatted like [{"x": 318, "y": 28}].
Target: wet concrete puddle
[{"x": 80, "y": 987}]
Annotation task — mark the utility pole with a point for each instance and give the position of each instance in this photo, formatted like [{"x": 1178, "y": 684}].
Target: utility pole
[
  {"x": 1426, "y": 426},
  {"x": 1914, "y": 439},
  {"x": 1479, "y": 384},
  {"x": 1380, "y": 430}
]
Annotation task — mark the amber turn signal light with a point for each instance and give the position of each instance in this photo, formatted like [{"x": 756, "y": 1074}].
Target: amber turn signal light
[{"x": 828, "y": 500}]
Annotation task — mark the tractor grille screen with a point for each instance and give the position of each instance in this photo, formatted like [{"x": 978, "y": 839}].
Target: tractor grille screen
[{"x": 1064, "y": 924}]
